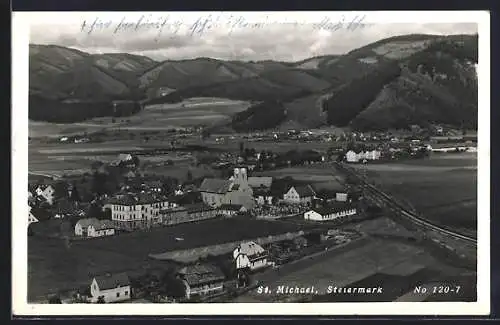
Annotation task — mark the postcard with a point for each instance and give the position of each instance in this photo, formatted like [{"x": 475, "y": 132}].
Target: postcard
[{"x": 251, "y": 163}]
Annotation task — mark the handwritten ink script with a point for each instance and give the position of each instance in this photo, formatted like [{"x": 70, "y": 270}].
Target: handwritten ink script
[{"x": 203, "y": 24}]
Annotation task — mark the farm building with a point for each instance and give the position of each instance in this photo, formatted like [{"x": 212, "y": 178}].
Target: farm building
[
  {"x": 201, "y": 279},
  {"x": 110, "y": 288},
  {"x": 231, "y": 209},
  {"x": 354, "y": 157},
  {"x": 263, "y": 197},
  {"x": 250, "y": 255},
  {"x": 124, "y": 159},
  {"x": 299, "y": 195},
  {"x": 47, "y": 192},
  {"x": 236, "y": 190},
  {"x": 136, "y": 211},
  {"x": 31, "y": 217},
  {"x": 92, "y": 227},
  {"x": 187, "y": 213},
  {"x": 331, "y": 212},
  {"x": 261, "y": 187}
]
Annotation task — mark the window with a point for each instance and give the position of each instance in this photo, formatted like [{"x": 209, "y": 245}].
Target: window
[
  {"x": 117, "y": 294},
  {"x": 126, "y": 293}
]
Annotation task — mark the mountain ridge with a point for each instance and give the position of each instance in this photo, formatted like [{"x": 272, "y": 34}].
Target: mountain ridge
[{"x": 393, "y": 82}]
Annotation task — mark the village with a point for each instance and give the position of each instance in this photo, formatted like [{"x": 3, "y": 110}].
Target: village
[{"x": 118, "y": 199}]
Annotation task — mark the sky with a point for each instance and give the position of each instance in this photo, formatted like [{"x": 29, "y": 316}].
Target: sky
[{"x": 232, "y": 36}]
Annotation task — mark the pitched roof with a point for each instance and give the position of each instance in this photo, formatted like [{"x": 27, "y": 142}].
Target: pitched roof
[
  {"x": 333, "y": 208},
  {"x": 197, "y": 207},
  {"x": 201, "y": 273},
  {"x": 250, "y": 249},
  {"x": 232, "y": 207},
  {"x": 103, "y": 224},
  {"x": 137, "y": 199},
  {"x": 111, "y": 281},
  {"x": 86, "y": 222},
  {"x": 214, "y": 185},
  {"x": 304, "y": 190},
  {"x": 260, "y": 181}
]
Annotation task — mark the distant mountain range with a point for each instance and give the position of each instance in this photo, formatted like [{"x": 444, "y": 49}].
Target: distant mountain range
[{"x": 395, "y": 82}]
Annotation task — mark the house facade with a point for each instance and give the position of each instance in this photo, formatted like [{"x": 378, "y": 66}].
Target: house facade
[
  {"x": 230, "y": 210},
  {"x": 103, "y": 228},
  {"x": 354, "y": 157},
  {"x": 188, "y": 213},
  {"x": 261, "y": 187},
  {"x": 110, "y": 288},
  {"x": 31, "y": 217},
  {"x": 137, "y": 211},
  {"x": 250, "y": 255},
  {"x": 334, "y": 212},
  {"x": 47, "y": 192},
  {"x": 202, "y": 280},
  {"x": 236, "y": 190},
  {"x": 299, "y": 195},
  {"x": 92, "y": 227}
]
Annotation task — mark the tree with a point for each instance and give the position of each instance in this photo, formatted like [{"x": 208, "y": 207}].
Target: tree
[
  {"x": 107, "y": 214},
  {"x": 60, "y": 190},
  {"x": 75, "y": 196},
  {"x": 95, "y": 212},
  {"x": 98, "y": 183},
  {"x": 171, "y": 286},
  {"x": 135, "y": 161},
  {"x": 100, "y": 300},
  {"x": 189, "y": 176}
]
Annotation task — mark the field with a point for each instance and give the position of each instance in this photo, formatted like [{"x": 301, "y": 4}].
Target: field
[
  {"x": 321, "y": 176},
  {"x": 194, "y": 111},
  {"x": 443, "y": 188},
  {"x": 54, "y": 265},
  {"x": 362, "y": 262}
]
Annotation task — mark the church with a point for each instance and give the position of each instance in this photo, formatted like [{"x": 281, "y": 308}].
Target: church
[{"x": 235, "y": 190}]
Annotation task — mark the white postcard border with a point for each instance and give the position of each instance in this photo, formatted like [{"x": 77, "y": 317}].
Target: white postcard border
[{"x": 19, "y": 109}]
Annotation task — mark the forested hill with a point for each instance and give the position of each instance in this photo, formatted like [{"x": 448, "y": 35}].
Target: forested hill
[{"x": 395, "y": 82}]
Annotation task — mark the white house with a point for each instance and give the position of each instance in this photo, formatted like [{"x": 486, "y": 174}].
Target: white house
[
  {"x": 231, "y": 209},
  {"x": 102, "y": 228},
  {"x": 250, "y": 255},
  {"x": 299, "y": 194},
  {"x": 341, "y": 197},
  {"x": 92, "y": 227},
  {"x": 353, "y": 157},
  {"x": 201, "y": 280},
  {"x": 47, "y": 192},
  {"x": 138, "y": 211},
  {"x": 110, "y": 288},
  {"x": 333, "y": 212},
  {"x": 31, "y": 217}
]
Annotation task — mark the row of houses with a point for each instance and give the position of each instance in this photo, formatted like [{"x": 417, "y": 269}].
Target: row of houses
[
  {"x": 199, "y": 279},
  {"x": 353, "y": 157}
]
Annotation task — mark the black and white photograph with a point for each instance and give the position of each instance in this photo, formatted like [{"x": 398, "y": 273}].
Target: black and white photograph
[{"x": 251, "y": 163}]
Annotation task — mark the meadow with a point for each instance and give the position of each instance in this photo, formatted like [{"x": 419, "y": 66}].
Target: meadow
[
  {"x": 359, "y": 261},
  {"x": 443, "y": 188},
  {"x": 53, "y": 264},
  {"x": 191, "y": 112}
]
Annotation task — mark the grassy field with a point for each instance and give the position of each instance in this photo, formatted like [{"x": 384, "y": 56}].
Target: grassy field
[
  {"x": 194, "y": 111},
  {"x": 443, "y": 188},
  {"x": 373, "y": 256},
  {"x": 321, "y": 176},
  {"x": 54, "y": 265}
]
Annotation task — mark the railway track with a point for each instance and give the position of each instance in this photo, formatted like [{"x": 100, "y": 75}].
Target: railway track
[{"x": 389, "y": 201}]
